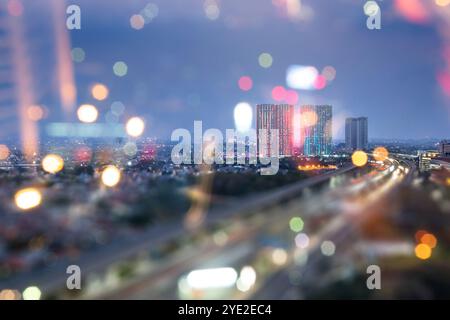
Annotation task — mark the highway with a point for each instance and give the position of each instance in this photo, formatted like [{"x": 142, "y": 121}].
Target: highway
[
  {"x": 53, "y": 278},
  {"x": 163, "y": 283},
  {"x": 245, "y": 221}
]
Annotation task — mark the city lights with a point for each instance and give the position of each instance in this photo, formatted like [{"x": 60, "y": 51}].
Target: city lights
[
  {"x": 212, "y": 278},
  {"x": 302, "y": 240},
  {"x": 380, "y": 153},
  {"x": 130, "y": 149},
  {"x": 150, "y": 12},
  {"x": 35, "y": 113},
  {"x": 429, "y": 239},
  {"x": 120, "y": 68},
  {"x": 303, "y": 78},
  {"x": 135, "y": 126},
  {"x": 52, "y": 163},
  {"x": 296, "y": 224},
  {"x": 111, "y": 176},
  {"x": 211, "y": 8},
  {"x": 245, "y": 83},
  {"x": 137, "y": 21},
  {"x": 291, "y": 97},
  {"x": 328, "y": 248},
  {"x": 99, "y": 91},
  {"x": 224, "y": 150},
  {"x": 423, "y": 251},
  {"x": 359, "y": 158},
  {"x": 15, "y": 8},
  {"x": 4, "y": 152},
  {"x": 243, "y": 116},
  {"x": 8, "y": 294},
  {"x": 329, "y": 72},
  {"x": 32, "y": 293},
  {"x": 265, "y": 60},
  {"x": 278, "y": 93},
  {"x": 247, "y": 279},
  {"x": 28, "y": 198},
  {"x": 87, "y": 113},
  {"x": 279, "y": 257},
  {"x": 308, "y": 118},
  {"x": 78, "y": 55},
  {"x": 442, "y": 3},
  {"x": 117, "y": 108}
]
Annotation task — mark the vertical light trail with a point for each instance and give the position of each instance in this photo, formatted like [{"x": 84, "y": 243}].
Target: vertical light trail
[
  {"x": 24, "y": 87},
  {"x": 64, "y": 67}
]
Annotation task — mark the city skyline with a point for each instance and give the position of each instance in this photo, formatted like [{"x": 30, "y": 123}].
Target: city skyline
[
  {"x": 221, "y": 150},
  {"x": 172, "y": 86}
]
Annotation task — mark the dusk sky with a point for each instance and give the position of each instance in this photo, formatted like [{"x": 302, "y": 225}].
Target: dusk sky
[{"x": 183, "y": 66}]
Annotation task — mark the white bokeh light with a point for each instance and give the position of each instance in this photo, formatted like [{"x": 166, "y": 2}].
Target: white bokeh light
[
  {"x": 243, "y": 116},
  {"x": 301, "y": 77}
]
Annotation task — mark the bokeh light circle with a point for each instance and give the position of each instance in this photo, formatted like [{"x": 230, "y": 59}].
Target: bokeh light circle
[
  {"x": 87, "y": 113},
  {"x": 135, "y": 126},
  {"x": 52, "y": 163}
]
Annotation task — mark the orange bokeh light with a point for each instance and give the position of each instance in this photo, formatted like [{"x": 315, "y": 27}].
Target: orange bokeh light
[
  {"x": 35, "y": 113},
  {"x": 429, "y": 239},
  {"x": 308, "y": 118},
  {"x": 380, "y": 153},
  {"x": 4, "y": 152},
  {"x": 100, "y": 91}
]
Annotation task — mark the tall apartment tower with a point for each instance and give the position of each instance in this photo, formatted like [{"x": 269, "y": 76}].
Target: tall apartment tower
[
  {"x": 316, "y": 129},
  {"x": 356, "y": 133},
  {"x": 277, "y": 116}
]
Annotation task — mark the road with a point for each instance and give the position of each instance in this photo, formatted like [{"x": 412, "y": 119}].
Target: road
[{"x": 163, "y": 283}]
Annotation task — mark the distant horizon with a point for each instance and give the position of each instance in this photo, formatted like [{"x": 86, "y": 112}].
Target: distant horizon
[{"x": 184, "y": 66}]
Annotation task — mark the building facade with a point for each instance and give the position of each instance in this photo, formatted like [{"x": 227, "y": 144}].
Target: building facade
[
  {"x": 280, "y": 117},
  {"x": 316, "y": 129},
  {"x": 356, "y": 133},
  {"x": 444, "y": 148}
]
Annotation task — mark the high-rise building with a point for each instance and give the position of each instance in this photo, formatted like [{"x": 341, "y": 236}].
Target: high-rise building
[
  {"x": 444, "y": 148},
  {"x": 277, "y": 116},
  {"x": 356, "y": 133},
  {"x": 316, "y": 129}
]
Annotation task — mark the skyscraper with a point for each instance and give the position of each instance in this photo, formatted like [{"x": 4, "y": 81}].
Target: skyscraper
[
  {"x": 444, "y": 148},
  {"x": 316, "y": 129},
  {"x": 356, "y": 133},
  {"x": 273, "y": 116}
]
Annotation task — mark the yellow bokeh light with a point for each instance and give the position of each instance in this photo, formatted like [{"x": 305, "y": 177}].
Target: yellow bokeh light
[
  {"x": 52, "y": 163},
  {"x": 423, "y": 251},
  {"x": 28, "y": 198},
  {"x": 135, "y": 126},
  {"x": 111, "y": 176},
  {"x": 359, "y": 158},
  {"x": 4, "y": 152},
  {"x": 87, "y": 113},
  {"x": 32, "y": 293},
  {"x": 99, "y": 91},
  {"x": 442, "y": 3},
  {"x": 380, "y": 153},
  {"x": 429, "y": 239}
]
